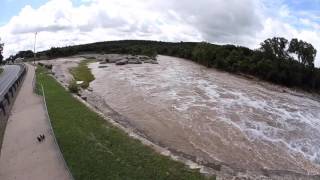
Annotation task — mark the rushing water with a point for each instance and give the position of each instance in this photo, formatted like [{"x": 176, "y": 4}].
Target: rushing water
[{"x": 215, "y": 116}]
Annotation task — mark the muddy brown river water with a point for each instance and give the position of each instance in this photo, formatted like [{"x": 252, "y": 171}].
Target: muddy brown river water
[{"x": 215, "y": 117}]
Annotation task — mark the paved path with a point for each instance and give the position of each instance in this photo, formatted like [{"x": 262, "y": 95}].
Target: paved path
[{"x": 22, "y": 157}]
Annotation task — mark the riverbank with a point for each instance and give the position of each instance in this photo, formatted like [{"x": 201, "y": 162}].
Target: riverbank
[{"x": 95, "y": 149}]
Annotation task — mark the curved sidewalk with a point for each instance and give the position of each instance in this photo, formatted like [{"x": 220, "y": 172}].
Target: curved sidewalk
[{"x": 22, "y": 156}]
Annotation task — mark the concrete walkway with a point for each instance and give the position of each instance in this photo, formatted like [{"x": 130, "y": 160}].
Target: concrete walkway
[{"x": 22, "y": 156}]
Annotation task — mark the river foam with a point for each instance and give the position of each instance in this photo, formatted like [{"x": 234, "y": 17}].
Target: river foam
[{"x": 214, "y": 115}]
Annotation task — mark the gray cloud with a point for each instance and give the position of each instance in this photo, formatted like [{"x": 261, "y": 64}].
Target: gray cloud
[
  {"x": 220, "y": 20},
  {"x": 60, "y": 23}
]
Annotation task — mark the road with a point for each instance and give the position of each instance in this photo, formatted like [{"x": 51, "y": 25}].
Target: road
[{"x": 7, "y": 77}]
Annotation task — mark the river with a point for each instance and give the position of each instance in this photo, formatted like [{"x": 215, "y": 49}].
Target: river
[{"x": 215, "y": 117}]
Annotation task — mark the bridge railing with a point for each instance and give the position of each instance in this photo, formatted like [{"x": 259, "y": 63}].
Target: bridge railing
[
  {"x": 7, "y": 98},
  {"x": 7, "y": 95}
]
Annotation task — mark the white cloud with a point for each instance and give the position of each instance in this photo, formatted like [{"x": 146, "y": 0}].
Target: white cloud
[
  {"x": 60, "y": 23},
  {"x": 245, "y": 22}
]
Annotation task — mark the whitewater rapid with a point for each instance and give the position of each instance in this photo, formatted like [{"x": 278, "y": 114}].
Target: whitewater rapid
[{"x": 215, "y": 116}]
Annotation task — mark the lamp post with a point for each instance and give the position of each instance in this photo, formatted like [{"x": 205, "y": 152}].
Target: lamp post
[{"x": 34, "y": 48}]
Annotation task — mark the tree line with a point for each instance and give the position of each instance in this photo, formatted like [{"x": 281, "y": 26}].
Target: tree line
[
  {"x": 278, "y": 60},
  {"x": 1, "y": 50}
]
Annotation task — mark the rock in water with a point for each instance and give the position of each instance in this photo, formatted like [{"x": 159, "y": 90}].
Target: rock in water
[
  {"x": 154, "y": 62},
  {"x": 134, "y": 61},
  {"x": 143, "y": 58},
  {"x": 84, "y": 98},
  {"x": 114, "y": 60},
  {"x": 122, "y": 62},
  {"x": 79, "y": 82},
  {"x": 151, "y": 62}
]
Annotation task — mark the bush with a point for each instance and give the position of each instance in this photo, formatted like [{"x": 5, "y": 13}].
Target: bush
[
  {"x": 91, "y": 58},
  {"x": 73, "y": 87},
  {"x": 48, "y": 66},
  {"x": 83, "y": 73}
]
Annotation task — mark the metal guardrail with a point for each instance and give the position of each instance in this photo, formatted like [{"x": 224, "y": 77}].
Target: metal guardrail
[
  {"x": 12, "y": 88},
  {"x": 7, "y": 98}
]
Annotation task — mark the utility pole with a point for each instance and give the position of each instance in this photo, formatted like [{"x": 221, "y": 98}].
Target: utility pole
[{"x": 34, "y": 48}]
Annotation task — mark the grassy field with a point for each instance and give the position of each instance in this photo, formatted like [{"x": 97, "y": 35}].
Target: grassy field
[
  {"x": 94, "y": 149},
  {"x": 83, "y": 73},
  {"x": 1, "y": 70}
]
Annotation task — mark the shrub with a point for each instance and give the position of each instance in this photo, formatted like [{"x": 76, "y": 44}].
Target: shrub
[
  {"x": 73, "y": 87},
  {"x": 48, "y": 66},
  {"x": 91, "y": 58}
]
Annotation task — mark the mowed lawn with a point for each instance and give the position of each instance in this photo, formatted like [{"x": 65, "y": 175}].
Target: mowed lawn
[{"x": 96, "y": 150}]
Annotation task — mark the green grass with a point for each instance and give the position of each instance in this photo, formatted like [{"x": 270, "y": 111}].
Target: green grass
[
  {"x": 1, "y": 70},
  {"x": 94, "y": 149},
  {"x": 83, "y": 73}
]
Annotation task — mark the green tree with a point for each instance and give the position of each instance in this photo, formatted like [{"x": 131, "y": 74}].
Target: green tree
[
  {"x": 275, "y": 48},
  {"x": 1, "y": 50},
  {"x": 149, "y": 52},
  {"x": 233, "y": 58},
  {"x": 294, "y": 48},
  {"x": 308, "y": 53},
  {"x": 203, "y": 54},
  {"x": 305, "y": 51}
]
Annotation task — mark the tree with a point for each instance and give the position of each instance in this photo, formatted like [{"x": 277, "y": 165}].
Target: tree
[
  {"x": 10, "y": 59},
  {"x": 149, "y": 52},
  {"x": 275, "y": 48},
  {"x": 25, "y": 54},
  {"x": 1, "y": 50},
  {"x": 294, "y": 48},
  {"x": 306, "y": 52},
  {"x": 233, "y": 58},
  {"x": 203, "y": 53}
]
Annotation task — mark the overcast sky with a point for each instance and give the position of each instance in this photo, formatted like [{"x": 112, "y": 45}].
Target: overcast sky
[{"x": 241, "y": 22}]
